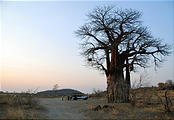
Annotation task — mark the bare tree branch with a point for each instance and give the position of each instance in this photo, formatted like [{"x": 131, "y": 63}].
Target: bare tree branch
[{"x": 120, "y": 35}]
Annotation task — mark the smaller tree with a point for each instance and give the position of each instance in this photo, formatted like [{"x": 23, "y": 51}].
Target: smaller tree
[
  {"x": 55, "y": 87},
  {"x": 142, "y": 81},
  {"x": 170, "y": 84}
]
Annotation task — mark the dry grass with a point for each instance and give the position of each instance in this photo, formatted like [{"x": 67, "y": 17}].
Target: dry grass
[
  {"x": 15, "y": 113},
  {"x": 21, "y": 106},
  {"x": 98, "y": 94},
  {"x": 149, "y": 103}
]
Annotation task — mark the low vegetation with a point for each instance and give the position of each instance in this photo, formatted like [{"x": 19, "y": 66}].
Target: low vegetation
[
  {"x": 145, "y": 103},
  {"x": 98, "y": 94},
  {"x": 169, "y": 84},
  {"x": 19, "y": 106}
]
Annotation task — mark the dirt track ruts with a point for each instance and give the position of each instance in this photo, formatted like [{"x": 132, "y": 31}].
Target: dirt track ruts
[{"x": 58, "y": 109}]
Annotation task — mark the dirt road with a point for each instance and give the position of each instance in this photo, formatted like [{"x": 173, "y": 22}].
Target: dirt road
[{"x": 58, "y": 109}]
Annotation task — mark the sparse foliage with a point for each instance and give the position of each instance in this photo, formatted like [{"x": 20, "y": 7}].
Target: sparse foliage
[
  {"x": 170, "y": 84},
  {"x": 142, "y": 81},
  {"x": 55, "y": 87},
  {"x": 98, "y": 93},
  {"x": 166, "y": 101},
  {"x": 115, "y": 39},
  {"x": 133, "y": 98},
  {"x": 162, "y": 86},
  {"x": 20, "y": 106}
]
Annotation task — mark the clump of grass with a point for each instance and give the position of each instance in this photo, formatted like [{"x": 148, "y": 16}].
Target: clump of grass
[
  {"x": 90, "y": 107},
  {"x": 145, "y": 103},
  {"x": 27, "y": 101},
  {"x": 115, "y": 111},
  {"x": 21, "y": 106},
  {"x": 102, "y": 108},
  {"x": 20, "y": 113},
  {"x": 15, "y": 113}
]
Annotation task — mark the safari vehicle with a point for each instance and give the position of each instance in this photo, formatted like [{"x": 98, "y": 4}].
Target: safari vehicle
[{"x": 76, "y": 97}]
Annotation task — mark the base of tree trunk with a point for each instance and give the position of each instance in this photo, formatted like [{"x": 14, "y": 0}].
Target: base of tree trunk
[{"x": 117, "y": 92}]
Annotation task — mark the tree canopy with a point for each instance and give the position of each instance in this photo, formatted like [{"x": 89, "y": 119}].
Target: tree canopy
[
  {"x": 115, "y": 39},
  {"x": 108, "y": 27}
]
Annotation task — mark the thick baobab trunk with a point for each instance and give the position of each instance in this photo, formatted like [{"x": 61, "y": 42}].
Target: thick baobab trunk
[
  {"x": 116, "y": 88},
  {"x": 128, "y": 83}
]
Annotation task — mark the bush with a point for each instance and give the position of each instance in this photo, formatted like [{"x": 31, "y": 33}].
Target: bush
[
  {"x": 98, "y": 93},
  {"x": 162, "y": 86},
  {"x": 170, "y": 84},
  {"x": 21, "y": 106}
]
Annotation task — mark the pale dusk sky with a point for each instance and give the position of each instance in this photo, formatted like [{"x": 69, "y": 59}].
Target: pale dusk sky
[{"x": 38, "y": 47}]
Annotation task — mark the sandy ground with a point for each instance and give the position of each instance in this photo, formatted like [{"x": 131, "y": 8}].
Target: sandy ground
[
  {"x": 58, "y": 109},
  {"x": 1, "y": 113}
]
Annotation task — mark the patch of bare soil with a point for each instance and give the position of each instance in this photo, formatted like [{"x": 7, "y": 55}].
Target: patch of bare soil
[
  {"x": 2, "y": 111},
  {"x": 58, "y": 109}
]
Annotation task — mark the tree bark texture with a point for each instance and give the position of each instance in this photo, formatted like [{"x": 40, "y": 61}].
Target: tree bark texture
[{"x": 116, "y": 88}]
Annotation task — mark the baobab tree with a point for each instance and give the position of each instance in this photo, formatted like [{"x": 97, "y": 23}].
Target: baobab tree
[{"x": 115, "y": 41}]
